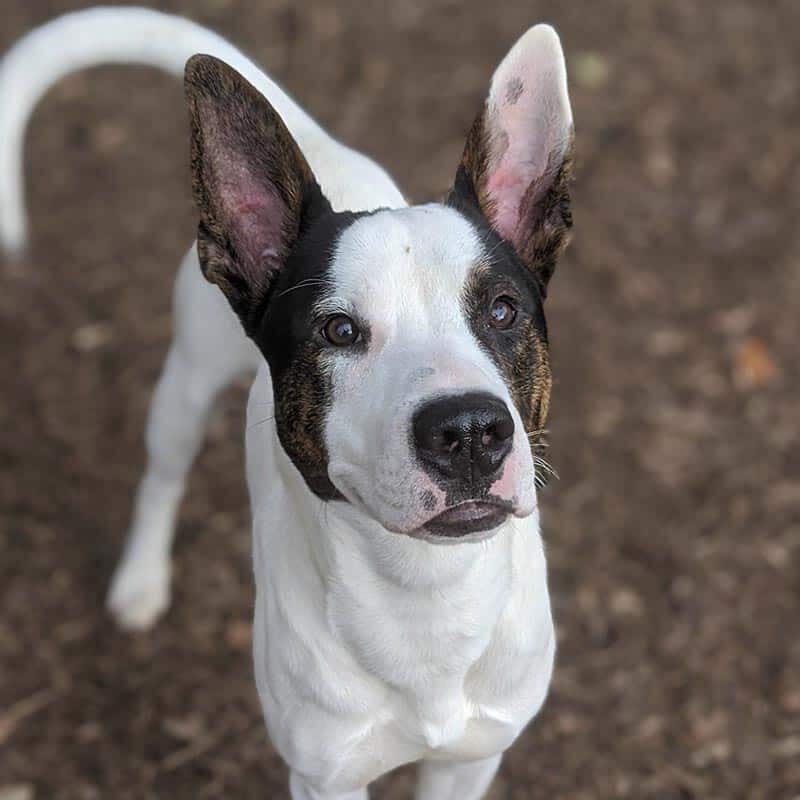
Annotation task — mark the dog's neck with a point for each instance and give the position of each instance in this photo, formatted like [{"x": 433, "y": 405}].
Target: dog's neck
[
  {"x": 338, "y": 531},
  {"x": 404, "y": 562}
]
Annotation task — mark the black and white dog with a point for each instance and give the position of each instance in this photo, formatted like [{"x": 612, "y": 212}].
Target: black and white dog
[{"x": 402, "y": 382}]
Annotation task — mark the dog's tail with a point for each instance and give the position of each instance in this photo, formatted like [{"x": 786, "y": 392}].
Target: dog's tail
[{"x": 122, "y": 35}]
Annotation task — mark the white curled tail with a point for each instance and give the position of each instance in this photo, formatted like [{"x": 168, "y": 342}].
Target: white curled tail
[{"x": 102, "y": 35}]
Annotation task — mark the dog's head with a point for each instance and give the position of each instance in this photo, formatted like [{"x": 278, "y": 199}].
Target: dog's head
[{"x": 407, "y": 347}]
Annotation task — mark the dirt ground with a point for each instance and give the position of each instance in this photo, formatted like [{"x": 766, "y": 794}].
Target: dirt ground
[{"x": 673, "y": 533}]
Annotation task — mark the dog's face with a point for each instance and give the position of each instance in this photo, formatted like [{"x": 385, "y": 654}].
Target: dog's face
[{"x": 407, "y": 347}]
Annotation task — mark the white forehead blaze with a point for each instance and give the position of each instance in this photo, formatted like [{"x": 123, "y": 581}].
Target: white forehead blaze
[{"x": 409, "y": 264}]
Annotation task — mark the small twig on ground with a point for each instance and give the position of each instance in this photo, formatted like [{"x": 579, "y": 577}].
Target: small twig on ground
[
  {"x": 11, "y": 718},
  {"x": 186, "y": 754}
]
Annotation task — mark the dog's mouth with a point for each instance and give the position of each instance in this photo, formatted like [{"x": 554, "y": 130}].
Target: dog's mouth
[{"x": 469, "y": 519}]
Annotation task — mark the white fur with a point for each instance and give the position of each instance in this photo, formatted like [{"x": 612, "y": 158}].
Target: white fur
[{"x": 372, "y": 648}]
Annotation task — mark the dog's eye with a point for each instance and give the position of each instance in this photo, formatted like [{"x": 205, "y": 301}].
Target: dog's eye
[
  {"x": 502, "y": 313},
  {"x": 341, "y": 331}
]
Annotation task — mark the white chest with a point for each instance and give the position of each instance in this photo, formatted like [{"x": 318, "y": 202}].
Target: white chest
[{"x": 358, "y": 674}]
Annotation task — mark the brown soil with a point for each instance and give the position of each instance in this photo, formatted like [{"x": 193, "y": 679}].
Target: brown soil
[{"x": 674, "y": 532}]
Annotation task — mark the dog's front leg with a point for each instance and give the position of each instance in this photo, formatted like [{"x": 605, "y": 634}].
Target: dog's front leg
[
  {"x": 456, "y": 780},
  {"x": 183, "y": 398},
  {"x": 301, "y": 790},
  {"x": 141, "y": 586}
]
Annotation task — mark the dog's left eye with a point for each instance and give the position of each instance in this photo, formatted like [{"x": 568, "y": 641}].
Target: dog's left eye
[
  {"x": 341, "y": 331},
  {"x": 502, "y": 313}
]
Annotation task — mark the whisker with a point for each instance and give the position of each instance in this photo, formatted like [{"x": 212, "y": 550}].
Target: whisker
[
  {"x": 494, "y": 248},
  {"x": 540, "y": 432},
  {"x": 261, "y": 422},
  {"x": 543, "y": 471},
  {"x": 537, "y": 443},
  {"x": 305, "y": 283},
  {"x": 543, "y": 462},
  {"x": 545, "y": 466}
]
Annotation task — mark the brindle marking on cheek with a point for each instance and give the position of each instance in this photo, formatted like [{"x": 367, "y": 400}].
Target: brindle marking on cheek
[
  {"x": 288, "y": 337},
  {"x": 302, "y": 395},
  {"x": 521, "y": 354},
  {"x": 531, "y": 379}
]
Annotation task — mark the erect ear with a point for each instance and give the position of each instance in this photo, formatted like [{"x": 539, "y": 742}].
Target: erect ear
[
  {"x": 517, "y": 161},
  {"x": 251, "y": 183}
]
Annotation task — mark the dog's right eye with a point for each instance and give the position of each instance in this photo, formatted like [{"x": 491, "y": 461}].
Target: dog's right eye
[
  {"x": 502, "y": 313},
  {"x": 341, "y": 331}
]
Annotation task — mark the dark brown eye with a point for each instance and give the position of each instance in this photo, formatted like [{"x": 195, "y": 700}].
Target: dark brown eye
[
  {"x": 502, "y": 313},
  {"x": 341, "y": 331}
]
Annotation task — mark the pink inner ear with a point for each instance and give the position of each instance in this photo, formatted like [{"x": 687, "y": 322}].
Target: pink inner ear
[
  {"x": 506, "y": 187},
  {"x": 518, "y": 151},
  {"x": 249, "y": 205},
  {"x": 255, "y": 216}
]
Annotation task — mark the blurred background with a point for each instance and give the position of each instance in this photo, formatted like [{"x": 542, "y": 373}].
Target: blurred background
[{"x": 674, "y": 532}]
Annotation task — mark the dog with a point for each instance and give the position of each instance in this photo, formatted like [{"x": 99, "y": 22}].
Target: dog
[{"x": 401, "y": 386}]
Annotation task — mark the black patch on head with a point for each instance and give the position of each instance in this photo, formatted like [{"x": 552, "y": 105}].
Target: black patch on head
[{"x": 288, "y": 336}]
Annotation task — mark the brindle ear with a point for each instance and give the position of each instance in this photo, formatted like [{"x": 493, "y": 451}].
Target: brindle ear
[
  {"x": 517, "y": 160},
  {"x": 251, "y": 183}
]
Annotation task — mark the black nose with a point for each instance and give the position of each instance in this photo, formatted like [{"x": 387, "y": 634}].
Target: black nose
[{"x": 463, "y": 437}]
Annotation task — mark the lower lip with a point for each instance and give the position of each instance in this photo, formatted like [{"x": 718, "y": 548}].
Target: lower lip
[{"x": 466, "y": 519}]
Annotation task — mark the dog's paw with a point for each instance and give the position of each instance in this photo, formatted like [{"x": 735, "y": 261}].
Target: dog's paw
[{"x": 139, "y": 594}]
